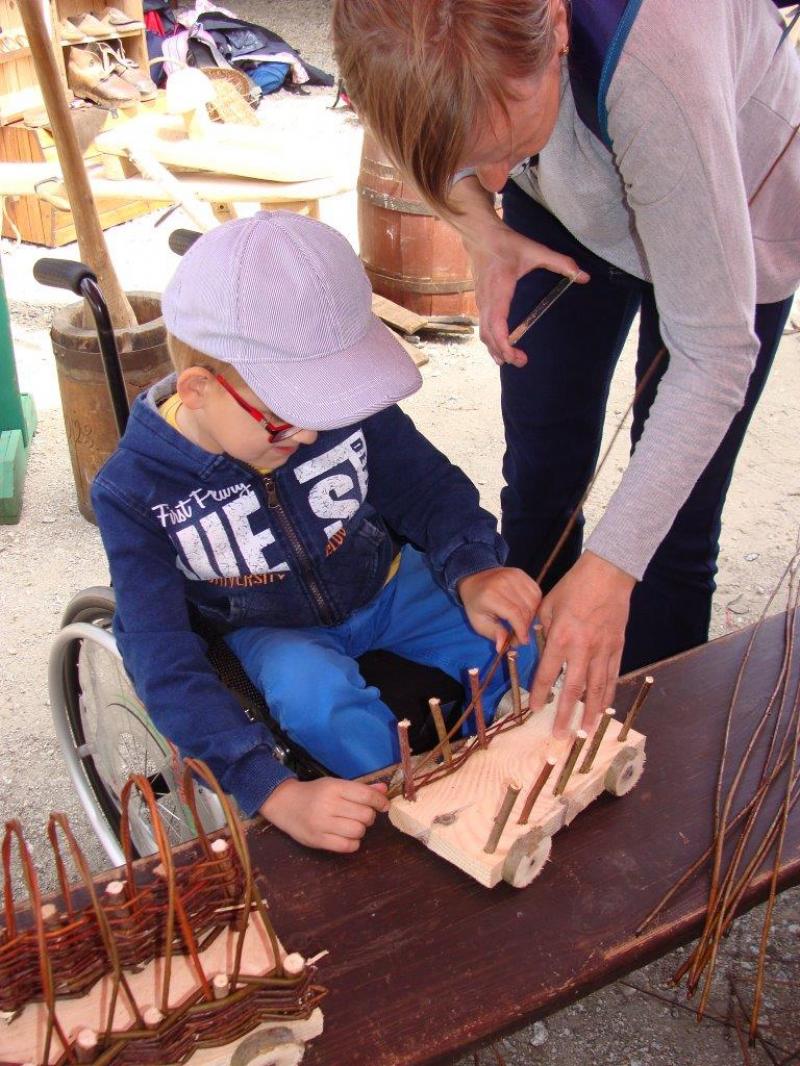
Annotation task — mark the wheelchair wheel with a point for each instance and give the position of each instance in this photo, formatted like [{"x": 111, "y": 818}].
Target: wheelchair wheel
[{"x": 106, "y": 734}]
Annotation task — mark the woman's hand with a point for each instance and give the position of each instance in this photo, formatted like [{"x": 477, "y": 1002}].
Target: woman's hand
[
  {"x": 500, "y": 257},
  {"x": 497, "y": 266},
  {"x": 327, "y": 813},
  {"x": 584, "y": 618}
]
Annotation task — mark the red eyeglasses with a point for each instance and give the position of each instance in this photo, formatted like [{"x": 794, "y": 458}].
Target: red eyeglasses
[{"x": 276, "y": 431}]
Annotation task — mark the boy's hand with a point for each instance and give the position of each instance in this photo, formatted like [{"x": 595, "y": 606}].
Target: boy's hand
[
  {"x": 327, "y": 813},
  {"x": 502, "y": 594}
]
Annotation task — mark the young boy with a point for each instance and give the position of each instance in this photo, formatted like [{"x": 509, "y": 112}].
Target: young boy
[{"x": 268, "y": 485}]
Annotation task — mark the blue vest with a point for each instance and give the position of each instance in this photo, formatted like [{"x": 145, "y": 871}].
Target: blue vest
[{"x": 598, "y": 31}]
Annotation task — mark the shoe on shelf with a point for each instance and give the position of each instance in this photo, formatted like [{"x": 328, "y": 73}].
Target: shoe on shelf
[
  {"x": 119, "y": 20},
  {"x": 70, "y": 33},
  {"x": 116, "y": 62},
  {"x": 91, "y": 80},
  {"x": 89, "y": 25}
]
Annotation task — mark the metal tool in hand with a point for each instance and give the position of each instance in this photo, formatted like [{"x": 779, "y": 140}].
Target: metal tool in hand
[{"x": 543, "y": 305}]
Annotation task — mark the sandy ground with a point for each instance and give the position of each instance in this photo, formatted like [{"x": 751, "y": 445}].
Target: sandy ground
[{"x": 53, "y": 552}]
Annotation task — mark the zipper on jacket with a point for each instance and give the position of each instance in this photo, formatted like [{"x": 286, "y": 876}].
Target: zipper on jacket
[{"x": 274, "y": 504}]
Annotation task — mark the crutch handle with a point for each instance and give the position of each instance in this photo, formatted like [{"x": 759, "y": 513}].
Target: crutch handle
[
  {"x": 181, "y": 240},
  {"x": 62, "y": 274}
]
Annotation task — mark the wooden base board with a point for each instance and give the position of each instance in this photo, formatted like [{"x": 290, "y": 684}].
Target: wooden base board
[
  {"x": 454, "y": 816},
  {"x": 22, "y": 1038}
]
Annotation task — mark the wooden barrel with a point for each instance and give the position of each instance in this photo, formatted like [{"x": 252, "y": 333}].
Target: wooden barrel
[
  {"x": 88, "y": 414},
  {"x": 409, "y": 254}
]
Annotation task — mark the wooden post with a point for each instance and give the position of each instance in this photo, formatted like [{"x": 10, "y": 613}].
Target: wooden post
[
  {"x": 569, "y": 765},
  {"x": 152, "y": 1017},
  {"x": 510, "y": 798},
  {"x": 477, "y": 701},
  {"x": 597, "y": 739},
  {"x": 294, "y": 964},
  {"x": 86, "y": 1045},
  {"x": 633, "y": 713},
  {"x": 513, "y": 673},
  {"x": 533, "y": 795},
  {"x": 441, "y": 730},
  {"x": 91, "y": 242},
  {"x": 409, "y": 790}
]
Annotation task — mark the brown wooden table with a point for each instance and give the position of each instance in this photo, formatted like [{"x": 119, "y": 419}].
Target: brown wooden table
[{"x": 425, "y": 963}]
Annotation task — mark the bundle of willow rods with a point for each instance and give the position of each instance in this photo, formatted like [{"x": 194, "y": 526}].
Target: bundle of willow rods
[{"x": 777, "y": 791}]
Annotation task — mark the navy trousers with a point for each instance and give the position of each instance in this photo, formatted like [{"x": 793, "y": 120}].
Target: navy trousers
[{"x": 553, "y": 411}]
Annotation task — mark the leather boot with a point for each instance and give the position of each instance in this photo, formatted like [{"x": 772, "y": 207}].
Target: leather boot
[
  {"x": 89, "y": 79},
  {"x": 89, "y": 25},
  {"x": 120, "y": 20},
  {"x": 116, "y": 62}
]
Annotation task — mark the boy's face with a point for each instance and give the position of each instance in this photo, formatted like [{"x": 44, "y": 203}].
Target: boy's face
[{"x": 225, "y": 426}]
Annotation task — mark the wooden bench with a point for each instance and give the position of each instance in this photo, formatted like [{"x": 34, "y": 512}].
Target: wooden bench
[{"x": 425, "y": 963}]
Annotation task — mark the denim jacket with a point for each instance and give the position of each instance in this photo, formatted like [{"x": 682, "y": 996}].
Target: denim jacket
[{"x": 306, "y": 545}]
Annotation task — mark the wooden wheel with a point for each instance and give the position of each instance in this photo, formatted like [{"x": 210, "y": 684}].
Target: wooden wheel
[
  {"x": 624, "y": 772},
  {"x": 526, "y": 858}
]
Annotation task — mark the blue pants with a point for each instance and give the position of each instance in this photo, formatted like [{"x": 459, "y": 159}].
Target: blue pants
[
  {"x": 310, "y": 679},
  {"x": 553, "y": 410}
]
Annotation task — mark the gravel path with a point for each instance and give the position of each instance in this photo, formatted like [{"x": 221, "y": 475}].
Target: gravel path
[{"x": 53, "y": 552}]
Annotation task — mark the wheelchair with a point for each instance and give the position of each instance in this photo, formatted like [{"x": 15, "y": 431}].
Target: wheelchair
[{"x": 105, "y": 732}]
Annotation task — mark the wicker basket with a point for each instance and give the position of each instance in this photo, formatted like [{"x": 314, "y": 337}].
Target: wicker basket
[{"x": 232, "y": 96}]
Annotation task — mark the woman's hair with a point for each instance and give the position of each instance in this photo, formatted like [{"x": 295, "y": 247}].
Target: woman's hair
[{"x": 427, "y": 75}]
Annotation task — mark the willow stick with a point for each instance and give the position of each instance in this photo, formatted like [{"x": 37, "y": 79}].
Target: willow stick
[
  {"x": 513, "y": 674},
  {"x": 441, "y": 730},
  {"x": 477, "y": 703},
  {"x": 577, "y": 744},
  {"x": 535, "y": 792},
  {"x": 597, "y": 740},
  {"x": 502, "y": 816},
  {"x": 636, "y": 706},
  {"x": 409, "y": 789}
]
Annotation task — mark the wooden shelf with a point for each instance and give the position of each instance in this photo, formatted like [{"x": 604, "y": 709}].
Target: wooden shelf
[
  {"x": 108, "y": 37},
  {"x": 33, "y": 219},
  {"x": 14, "y": 56}
]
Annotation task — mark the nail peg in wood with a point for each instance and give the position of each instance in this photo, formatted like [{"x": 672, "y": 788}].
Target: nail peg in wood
[
  {"x": 294, "y": 964},
  {"x": 577, "y": 745},
  {"x": 513, "y": 674},
  {"x": 50, "y": 916},
  {"x": 409, "y": 790},
  {"x": 535, "y": 792},
  {"x": 636, "y": 706},
  {"x": 220, "y": 985},
  {"x": 152, "y": 1017},
  {"x": 510, "y": 798},
  {"x": 116, "y": 892},
  {"x": 86, "y": 1045},
  {"x": 477, "y": 705},
  {"x": 597, "y": 740},
  {"x": 441, "y": 730}
]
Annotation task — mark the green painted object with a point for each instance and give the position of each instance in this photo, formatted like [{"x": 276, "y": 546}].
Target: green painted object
[{"x": 17, "y": 423}]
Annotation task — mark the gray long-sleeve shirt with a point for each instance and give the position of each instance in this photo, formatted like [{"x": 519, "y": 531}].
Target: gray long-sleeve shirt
[{"x": 699, "y": 108}]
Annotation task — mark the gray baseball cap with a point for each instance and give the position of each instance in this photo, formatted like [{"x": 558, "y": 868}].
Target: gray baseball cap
[{"x": 285, "y": 301}]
